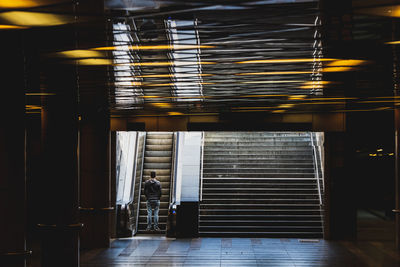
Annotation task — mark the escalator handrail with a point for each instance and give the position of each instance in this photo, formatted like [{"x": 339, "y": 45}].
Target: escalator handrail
[
  {"x": 140, "y": 184},
  {"x": 174, "y": 162}
]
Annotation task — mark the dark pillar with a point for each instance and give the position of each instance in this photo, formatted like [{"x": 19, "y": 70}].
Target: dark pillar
[
  {"x": 59, "y": 225},
  {"x": 95, "y": 197},
  {"x": 12, "y": 153},
  {"x": 340, "y": 219},
  {"x": 397, "y": 175}
]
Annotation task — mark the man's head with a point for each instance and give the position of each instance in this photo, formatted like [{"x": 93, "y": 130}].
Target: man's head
[{"x": 152, "y": 174}]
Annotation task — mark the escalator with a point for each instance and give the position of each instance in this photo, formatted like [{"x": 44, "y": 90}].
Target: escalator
[{"x": 157, "y": 157}]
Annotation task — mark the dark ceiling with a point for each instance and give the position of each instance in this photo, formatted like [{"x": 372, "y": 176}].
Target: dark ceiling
[{"x": 202, "y": 57}]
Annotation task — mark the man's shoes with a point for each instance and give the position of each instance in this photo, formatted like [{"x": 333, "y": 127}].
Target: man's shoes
[
  {"x": 148, "y": 228},
  {"x": 157, "y": 228}
]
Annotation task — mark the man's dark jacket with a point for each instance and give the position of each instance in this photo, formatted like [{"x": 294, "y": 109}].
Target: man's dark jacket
[{"x": 152, "y": 189}]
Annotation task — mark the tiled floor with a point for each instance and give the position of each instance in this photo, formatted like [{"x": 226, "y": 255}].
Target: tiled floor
[{"x": 159, "y": 251}]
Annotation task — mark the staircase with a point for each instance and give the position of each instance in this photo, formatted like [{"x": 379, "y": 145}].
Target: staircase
[
  {"x": 259, "y": 184},
  {"x": 158, "y": 158}
]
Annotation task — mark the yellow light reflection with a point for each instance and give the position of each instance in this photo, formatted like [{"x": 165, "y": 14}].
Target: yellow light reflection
[
  {"x": 128, "y": 83},
  {"x": 275, "y": 73},
  {"x": 39, "y": 94},
  {"x": 8, "y": 4},
  {"x": 94, "y": 61},
  {"x": 23, "y": 18},
  {"x": 152, "y": 47},
  {"x": 337, "y": 69},
  {"x": 11, "y": 27},
  {"x": 291, "y": 60},
  {"x": 161, "y": 105},
  {"x": 175, "y": 113},
  {"x": 372, "y": 155},
  {"x": 295, "y": 97},
  {"x": 278, "y": 111},
  {"x": 32, "y": 107},
  {"x": 314, "y": 84},
  {"x": 80, "y": 53},
  {"x": 286, "y": 106},
  {"x": 393, "y": 42},
  {"x": 345, "y": 63},
  {"x": 386, "y": 11}
]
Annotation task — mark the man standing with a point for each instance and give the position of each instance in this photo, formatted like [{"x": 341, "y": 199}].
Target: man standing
[{"x": 152, "y": 191}]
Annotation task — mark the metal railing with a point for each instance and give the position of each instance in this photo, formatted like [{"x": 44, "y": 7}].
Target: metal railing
[
  {"x": 201, "y": 165},
  {"x": 316, "y": 171},
  {"x": 320, "y": 144}
]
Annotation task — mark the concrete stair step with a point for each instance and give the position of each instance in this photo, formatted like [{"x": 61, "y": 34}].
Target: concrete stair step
[
  {"x": 258, "y": 175},
  {"x": 260, "y": 214},
  {"x": 264, "y": 191},
  {"x": 260, "y": 164},
  {"x": 251, "y": 143},
  {"x": 255, "y": 223},
  {"x": 265, "y": 234},
  {"x": 258, "y": 169}
]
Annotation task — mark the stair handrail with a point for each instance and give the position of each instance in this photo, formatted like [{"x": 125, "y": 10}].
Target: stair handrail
[
  {"x": 316, "y": 172},
  {"x": 201, "y": 165},
  {"x": 320, "y": 143},
  {"x": 140, "y": 183}
]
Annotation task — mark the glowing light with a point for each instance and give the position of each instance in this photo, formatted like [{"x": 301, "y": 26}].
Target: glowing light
[
  {"x": 94, "y": 61},
  {"x": 278, "y": 111},
  {"x": 39, "y": 94},
  {"x": 295, "y": 97},
  {"x": 286, "y": 106},
  {"x": 80, "y": 53},
  {"x": 275, "y": 73},
  {"x": 314, "y": 84},
  {"x": 128, "y": 83},
  {"x": 372, "y": 155},
  {"x": 379, "y": 150},
  {"x": 23, "y": 18},
  {"x": 6, "y": 4},
  {"x": 292, "y": 60},
  {"x": 386, "y": 11},
  {"x": 32, "y": 107},
  {"x": 175, "y": 113},
  {"x": 11, "y": 27},
  {"x": 152, "y": 47},
  {"x": 161, "y": 105},
  {"x": 393, "y": 42},
  {"x": 391, "y": 154},
  {"x": 337, "y": 69},
  {"x": 345, "y": 63}
]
